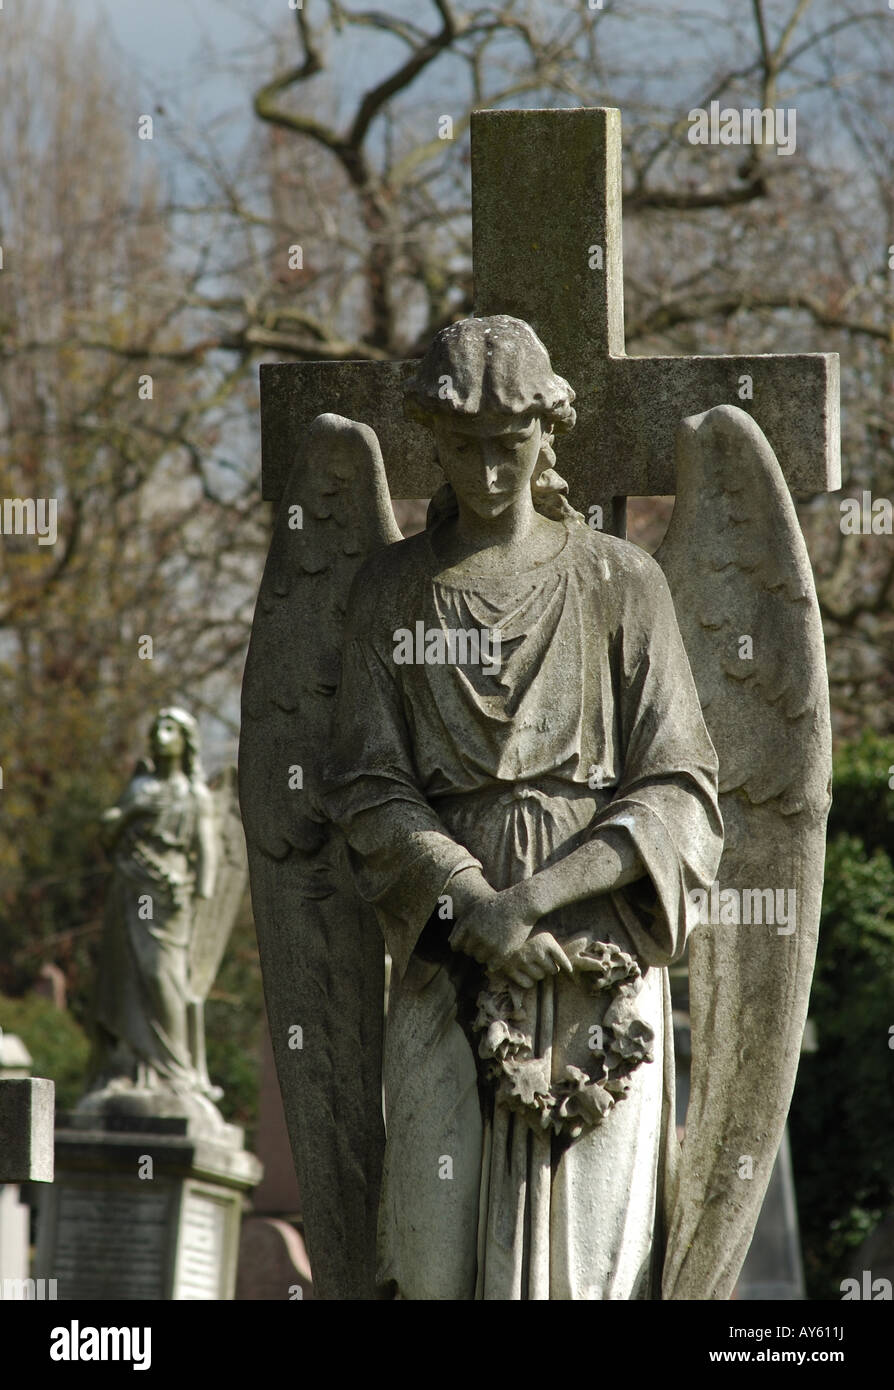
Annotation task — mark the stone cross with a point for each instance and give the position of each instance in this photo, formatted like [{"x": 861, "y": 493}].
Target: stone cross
[
  {"x": 26, "y": 1155},
  {"x": 26, "y": 1117},
  {"x": 546, "y": 218}
]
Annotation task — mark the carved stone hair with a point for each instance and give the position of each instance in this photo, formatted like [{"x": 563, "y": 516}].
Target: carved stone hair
[
  {"x": 489, "y": 366},
  {"x": 494, "y": 366}
]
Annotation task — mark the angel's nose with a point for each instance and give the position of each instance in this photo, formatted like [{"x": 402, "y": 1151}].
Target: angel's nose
[{"x": 490, "y": 477}]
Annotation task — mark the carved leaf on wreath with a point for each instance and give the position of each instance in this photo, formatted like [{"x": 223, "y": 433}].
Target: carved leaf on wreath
[
  {"x": 584, "y": 1103},
  {"x": 601, "y": 964},
  {"x": 579, "y": 1099},
  {"x": 528, "y": 1087}
]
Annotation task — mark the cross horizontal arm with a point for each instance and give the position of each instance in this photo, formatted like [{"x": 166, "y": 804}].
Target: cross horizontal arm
[
  {"x": 26, "y": 1129},
  {"x": 294, "y": 393},
  {"x": 629, "y": 410},
  {"x": 627, "y": 418}
]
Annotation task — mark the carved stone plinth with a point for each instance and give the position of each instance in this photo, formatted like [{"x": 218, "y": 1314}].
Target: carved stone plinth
[{"x": 144, "y": 1208}]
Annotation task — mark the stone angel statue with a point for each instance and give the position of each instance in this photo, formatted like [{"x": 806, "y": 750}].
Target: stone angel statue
[
  {"x": 179, "y": 870},
  {"x": 509, "y": 747}
]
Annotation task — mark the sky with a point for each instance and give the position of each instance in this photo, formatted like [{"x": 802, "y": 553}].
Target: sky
[
  {"x": 164, "y": 37},
  {"x": 206, "y": 58},
  {"x": 178, "y": 47}
]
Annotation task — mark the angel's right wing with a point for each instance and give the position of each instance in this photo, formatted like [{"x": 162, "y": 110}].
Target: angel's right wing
[
  {"x": 321, "y": 949},
  {"x": 740, "y": 576}
]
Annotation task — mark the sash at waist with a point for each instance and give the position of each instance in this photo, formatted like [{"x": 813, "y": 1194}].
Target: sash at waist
[{"x": 545, "y": 789}]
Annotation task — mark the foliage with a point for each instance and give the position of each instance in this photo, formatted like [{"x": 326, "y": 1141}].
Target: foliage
[
  {"x": 58, "y": 1044},
  {"x": 863, "y": 800},
  {"x": 130, "y": 439},
  {"x": 234, "y": 1020},
  {"x": 111, "y": 272},
  {"x": 842, "y": 1119}
]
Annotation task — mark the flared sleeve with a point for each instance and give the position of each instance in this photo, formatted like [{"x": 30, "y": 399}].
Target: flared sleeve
[
  {"x": 666, "y": 798},
  {"x": 402, "y": 856}
]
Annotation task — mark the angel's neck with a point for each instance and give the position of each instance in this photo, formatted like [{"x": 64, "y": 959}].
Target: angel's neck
[
  {"x": 500, "y": 545},
  {"x": 166, "y": 767},
  {"x": 511, "y": 527}
]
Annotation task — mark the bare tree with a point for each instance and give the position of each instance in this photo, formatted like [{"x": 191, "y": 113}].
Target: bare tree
[
  {"x": 115, "y": 411},
  {"x": 728, "y": 248},
  {"x": 337, "y": 225}
]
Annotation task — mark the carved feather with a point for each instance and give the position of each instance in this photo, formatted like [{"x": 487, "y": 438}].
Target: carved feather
[
  {"x": 321, "y": 949},
  {"x": 740, "y": 576},
  {"x": 215, "y": 916}
]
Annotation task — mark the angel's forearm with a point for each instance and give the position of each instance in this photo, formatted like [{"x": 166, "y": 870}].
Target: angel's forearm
[
  {"x": 466, "y": 888},
  {"x": 112, "y": 823},
  {"x": 604, "y": 864}
]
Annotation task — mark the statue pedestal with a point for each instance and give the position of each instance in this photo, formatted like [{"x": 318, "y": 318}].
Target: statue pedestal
[{"x": 144, "y": 1207}]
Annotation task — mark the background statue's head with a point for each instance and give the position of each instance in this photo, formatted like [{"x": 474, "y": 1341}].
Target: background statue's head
[
  {"x": 174, "y": 733},
  {"x": 491, "y": 378}
]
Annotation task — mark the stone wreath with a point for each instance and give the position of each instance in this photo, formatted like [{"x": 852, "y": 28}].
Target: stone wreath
[{"x": 579, "y": 1099}]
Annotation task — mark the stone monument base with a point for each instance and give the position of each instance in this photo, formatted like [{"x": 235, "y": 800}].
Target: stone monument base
[{"x": 144, "y": 1207}]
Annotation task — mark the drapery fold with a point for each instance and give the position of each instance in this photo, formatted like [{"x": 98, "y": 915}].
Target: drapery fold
[{"x": 591, "y": 723}]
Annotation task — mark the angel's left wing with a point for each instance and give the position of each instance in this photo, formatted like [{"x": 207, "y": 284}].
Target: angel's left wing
[
  {"x": 740, "y": 576},
  {"x": 213, "y": 917}
]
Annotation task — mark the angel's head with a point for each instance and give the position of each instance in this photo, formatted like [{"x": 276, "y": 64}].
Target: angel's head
[
  {"x": 175, "y": 735},
  {"x": 488, "y": 392}
]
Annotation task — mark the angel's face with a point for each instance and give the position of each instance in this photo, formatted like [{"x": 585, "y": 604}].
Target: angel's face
[
  {"x": 489, "y": 460},
  {"x": 167, "y": 738}
]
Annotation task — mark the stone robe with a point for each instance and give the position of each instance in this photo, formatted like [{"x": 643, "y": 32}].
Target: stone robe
[
  {"x": 592, "y": 721},
  {"x": 142, "y": 992}
]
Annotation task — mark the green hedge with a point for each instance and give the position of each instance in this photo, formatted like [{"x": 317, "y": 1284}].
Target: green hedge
[
  {"x": 842, "y": 1119},
  {"x": 58, "y": 1044}
]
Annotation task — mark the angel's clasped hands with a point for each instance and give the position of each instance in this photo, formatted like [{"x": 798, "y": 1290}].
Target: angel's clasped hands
[{"x": 497, "y": 932}]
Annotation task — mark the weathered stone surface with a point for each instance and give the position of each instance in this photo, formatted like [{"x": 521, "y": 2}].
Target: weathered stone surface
[
  {"x": 15, "y": 1059},
  {"x": 738, "y": 569},
  {"x": 479, "y": 798},
  {"x": 179, "y": 873},
  {"x": 143, "y": 1208},
  {"x": 323, "y": 964},
  {"x": 773, "y": 1268},
  {"x": 15, "y": 1064},
  {"x": 773, "y": 1271},
  {"x": 294, "y": 393},
  {"x": 532, "y": 250},
  {"x": 26, "y": 1130},
  {"x": 15, "y": 1222}
]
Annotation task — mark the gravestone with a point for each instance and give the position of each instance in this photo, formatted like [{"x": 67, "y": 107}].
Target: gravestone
[
  {"x": 26, "y": 1155},
  {"x": 50, "y": 984},
  {"x": 547, "y": 251},
  {"x": 144, "y": 1208},
  {"x": 273, "y": 1261},
  {"x": 151, "y": 1181},
  {"x": 773, "y": 1270}
]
